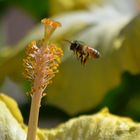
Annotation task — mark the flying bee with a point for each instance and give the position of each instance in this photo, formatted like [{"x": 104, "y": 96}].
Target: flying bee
[{"x": 83, "y": 51}]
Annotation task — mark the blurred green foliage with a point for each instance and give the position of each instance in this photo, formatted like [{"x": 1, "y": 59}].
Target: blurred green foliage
[
  {"x": 36, "y": 8},
  {"x": 122, "y": 99}
]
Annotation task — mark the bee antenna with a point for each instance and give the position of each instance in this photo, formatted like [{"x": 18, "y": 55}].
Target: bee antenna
[{"x": 67, "y": 41}]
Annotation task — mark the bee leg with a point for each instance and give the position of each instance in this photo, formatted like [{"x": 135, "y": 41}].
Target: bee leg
[
  {"x": 76, "y": 53},
  {"x": 85, "y": 58},
  {"x": 81, "y": 58},
  {"x": 82, "y": 61}
]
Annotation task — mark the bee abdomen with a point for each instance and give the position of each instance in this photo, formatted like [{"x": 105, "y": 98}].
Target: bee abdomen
[{"x": 93, "y": 52}]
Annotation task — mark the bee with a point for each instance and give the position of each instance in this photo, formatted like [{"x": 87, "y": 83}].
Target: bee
[{"x": 83, "y": 51}]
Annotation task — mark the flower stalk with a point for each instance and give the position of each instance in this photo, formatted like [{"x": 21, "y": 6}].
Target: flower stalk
[{"x": 41, "y": 64}]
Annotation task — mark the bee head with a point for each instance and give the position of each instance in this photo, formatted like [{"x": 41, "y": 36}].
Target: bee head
[{"x": 73, "y": 44}]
